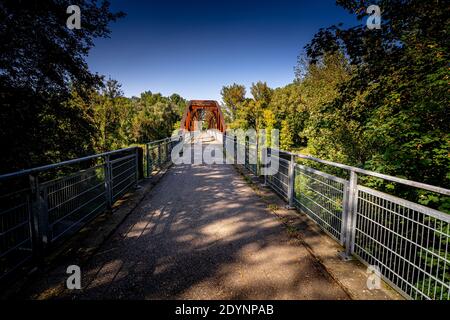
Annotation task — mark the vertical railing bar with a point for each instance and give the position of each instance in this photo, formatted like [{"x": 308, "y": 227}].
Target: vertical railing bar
[
  {"x": 235, "y": 148},
  {"x": 30, "y": 223},
  {"x": 46, "y": 234},
  {"x": 388, "y": 243},
  {"x": 108, "y": 183},
  {"x": 403, "y": 245},
  {"x": 257, "y": 155},
  {"x": 291, "y": 181},
  {"x": 377, "y": 218},
  {"x": 396, "y": 239},
  {"x": 159, "y": 155},
  {"x": 35, "y": 213},
  {"x": 385, "y": 242},
  {"x": 267, "y": 179},
  {"x": 365, "y": 226},
  {"x": 426, "y": 255},
  {"x": 382, "y": 230},
  {"x": 373, "y": 212},
  {"x": 136, "y": 163},
  {"x": 408, "y": 250},
  {"x": 446, "y": 263},
  {"x": 246, "y": 152},
  {"x": 399, "y": 240},
  {"x": 431, "y": 264},
  {"x": 345, "y": 212},
  {"x": 166, "y": 152},
  {"x": 147, "y": 154},
  {"x": 224, "y": 142}
]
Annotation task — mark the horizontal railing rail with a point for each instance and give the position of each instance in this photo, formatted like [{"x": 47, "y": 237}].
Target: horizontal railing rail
[
  {"x": 407, "y": 182},
  {"x": 61, "y": 164}
]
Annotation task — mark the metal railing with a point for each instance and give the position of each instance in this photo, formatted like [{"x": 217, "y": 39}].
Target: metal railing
[
  {"x": 279, "y": 181},
  {"x": 407, "y": 242},
  {"x": 158, "y": 153},
  {"x": 251, "y": 156},
  {"x": 321, "y": 196},
  {"x": 42, "y": 205}
]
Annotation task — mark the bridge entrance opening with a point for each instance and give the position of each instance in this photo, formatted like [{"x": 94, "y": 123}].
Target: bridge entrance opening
[{"x": 203, "y": 115}]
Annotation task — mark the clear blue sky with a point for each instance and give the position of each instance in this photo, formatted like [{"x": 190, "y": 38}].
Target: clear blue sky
[{"x": 194, "y": 47}]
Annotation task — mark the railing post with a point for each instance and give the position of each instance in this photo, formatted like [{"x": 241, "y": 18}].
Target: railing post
[
  {"x": 159, "y": 154},
  {"x": 265, "y": 158},
  {"x": 181, "y": 140},
  {"x": 171, "y": 145},
  {"x": 349, "y": 221},
  {"x": 136, "y": 162},
  {"x": 166, "y": 152},
  {"x": 224, "y": 145},
  {"x": 43, "y": 214},
  {"x": 191, "y": 147},
  {"x": 257, "y": 155},
  {"x": 246, "y": 152},
  {"x": 235, "y": 149},
  {"x": 39, "y": 212},
  {"x": 168, "y": 148},
  {"x": 108, "y": 183},
  {"x": 147, "y": 155},
  {"x": 291, "y": 183}
]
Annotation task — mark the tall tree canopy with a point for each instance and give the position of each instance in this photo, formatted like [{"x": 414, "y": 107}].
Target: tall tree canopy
[
  {"x": 41, "y": 63},
  {"x": 396, "y": 101},
  {"x": 232, "y": 96},
  {"x": 378, "y": 99},
  {"x": 261, "y": 93}
]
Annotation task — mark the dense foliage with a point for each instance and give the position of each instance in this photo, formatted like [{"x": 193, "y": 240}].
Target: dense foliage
[
  {"x": 52, "y": 107},
  {"x": 395, "y": 105},
  {"x": 374, "y": 98},
  {"x": 41, "y": 63},
  {"x": 377, "y": 99},
  {"x": 120, "y": 121}
]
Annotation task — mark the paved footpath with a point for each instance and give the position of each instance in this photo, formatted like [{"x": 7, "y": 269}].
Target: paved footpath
[{"x": 202, "y": 233}]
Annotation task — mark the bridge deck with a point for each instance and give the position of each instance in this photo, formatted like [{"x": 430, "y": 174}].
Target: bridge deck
[{"x": 202, "y": 233}]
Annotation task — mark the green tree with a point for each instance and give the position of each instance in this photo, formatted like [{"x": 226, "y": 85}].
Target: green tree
[
  {"x": 155, "y": 118},
  {"x": 261, "y": 93},
  {"x": 286, "y": 136},
  {"x": 392, "y": 114},
  {"x": 179, "y": 102},
  {"x": 395, "y": 104},
  {"x": 287, "y": 105},
  {"x": 269, "y": 124},
  {"x": 232, "y": 96},
  {"x": 318, "y": 86},
  {"x": 42, "y": 63},
  {"x": 112, "y": 114}
]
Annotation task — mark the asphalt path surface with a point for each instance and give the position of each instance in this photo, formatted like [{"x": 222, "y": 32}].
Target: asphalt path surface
[{"x": 202, "y": 233}]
